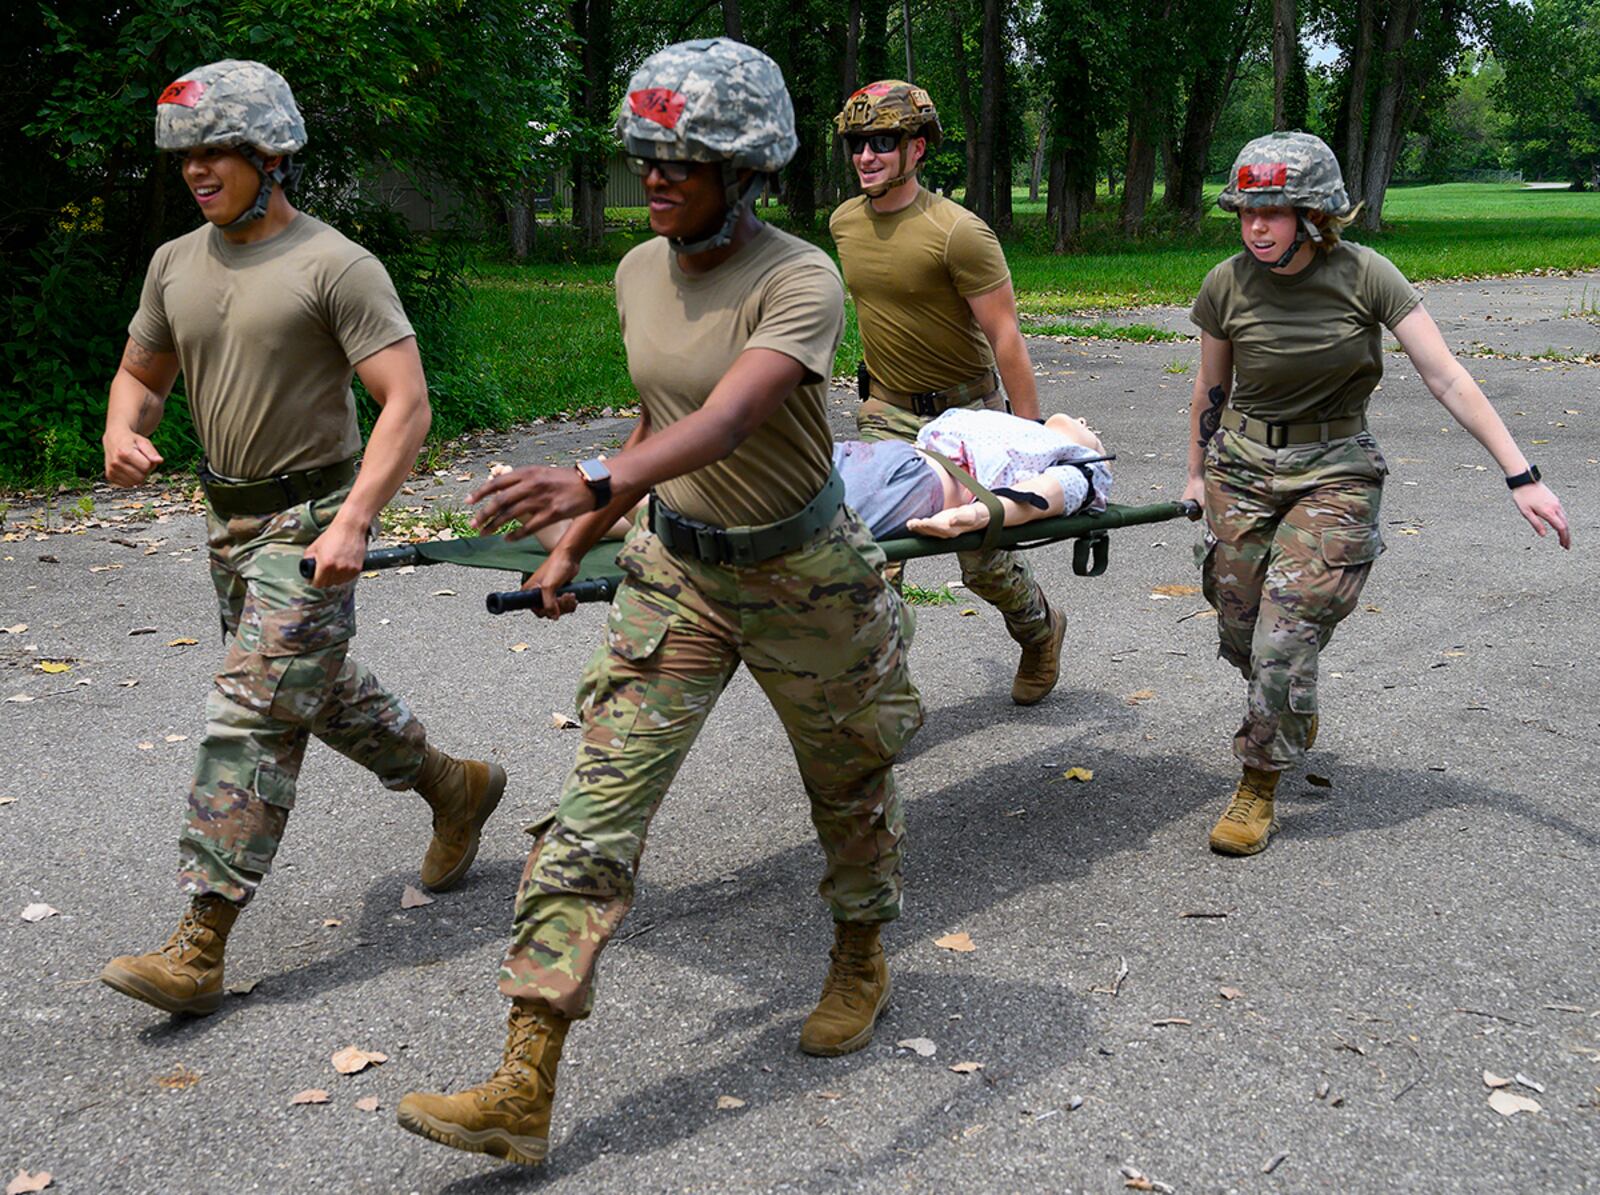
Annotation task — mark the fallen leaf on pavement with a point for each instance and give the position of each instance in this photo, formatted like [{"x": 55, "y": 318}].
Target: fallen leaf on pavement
[
  {"x": 1509, "y": 1103},
  {"x": 145, "y": 746},
  {"x": 26, "y": 1184},
  {"x": 1160, "y": 1021},
  {"x": 243, "y": 988},
  {"x": 8, "y": 800},
  {"x": 919, "y": 1046},
  {"x": 961, "y": 942},
  {"x": 405, "y": 570},
  {"x": 54, "y": 667},
  {"x": 519, "y": 647},
  {"x": 331, "y": 923},
  {"x": 966, "y": 1068},
  {"x": 129, "y": 683},
  {"x": 444, "y": 593},
  {"x": 352, "y": 1060},
  {"x": 1176, "y": 590},
  {"x": 368, "y": 1103},
  {"x": 1524, "y": 1081},
  {"x": 18, "y": 629},
  {"x": 1229, "y": 993},
  {"x": 312, "y": 1095},
  {"x": 726, "y": 1103},
  {"x": 20, "y": 699},
  {"x": 830, "y": 1095},
  {"x": 179, "y": 1078},
  {"x": 1141, "y": 696},
  {"x": 563, "y": 721},
  {"x": 1081, "y": 775},
  {"x": 413, "y": 899},
  {"x": 1274, "y": 1162},
  {"x": 1137, "y": 1180},
  {"x": 182, "y": 642},
  {"x": 1490, "y": 1079},
  {"x": 38, "y": 912},
  {"x": 369, "y": 574},
  {"x": 177, "y": 738}
]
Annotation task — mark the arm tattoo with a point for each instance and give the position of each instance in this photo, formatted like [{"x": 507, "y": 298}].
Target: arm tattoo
[
  {"x": 1211, "y": 417},
  {"x": 136, "y": 356},
  {"x": 150, "y": 408}
]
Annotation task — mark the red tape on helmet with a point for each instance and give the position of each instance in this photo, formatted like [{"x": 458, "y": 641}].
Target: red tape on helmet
[
  {"x": 660, "y": 104},
  {"x": 185, "y": 92},
  {"x": 1263, "y": 176}
]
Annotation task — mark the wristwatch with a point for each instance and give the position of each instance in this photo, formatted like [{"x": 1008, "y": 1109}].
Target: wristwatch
[
  {"x": 598, "y": 478},
  {"x": 1517, "y": 480}
]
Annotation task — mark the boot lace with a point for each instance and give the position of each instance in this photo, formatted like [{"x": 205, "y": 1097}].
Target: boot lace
[
  {"x": 515, "y": 1069},
  {"x": 185, "y": 936},
  {"x": 848, "y": 972},
  {"x": 1242, "y": 809}
]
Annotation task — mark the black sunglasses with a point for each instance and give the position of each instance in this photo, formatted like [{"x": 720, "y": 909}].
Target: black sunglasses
[
  {"x": 673, "y": 172},
  {"x": 878, "y": 143}
]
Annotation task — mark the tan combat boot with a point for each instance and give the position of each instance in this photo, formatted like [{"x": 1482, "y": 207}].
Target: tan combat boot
[
  {"x": 185, "y": 975},
  {"x": 853, "y": 995},
  {"x": 462, "y": 793},
  {"x": 1040, "y": 667},
  {"x": 509, "y": 1116},
  {"x": 1248, "y": 823}
]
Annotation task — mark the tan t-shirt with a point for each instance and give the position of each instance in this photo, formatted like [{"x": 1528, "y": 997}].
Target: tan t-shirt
[
  {"x": 267, "y": 335},
  {"x": 683, "y": 332},
  {"x": 1306, "y": 346},
  {"x": 911, "y": 273}
]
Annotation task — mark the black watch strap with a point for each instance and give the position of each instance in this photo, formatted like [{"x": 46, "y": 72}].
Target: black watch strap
[
  {"x": 1528, "y": 477},
  {"x": 598, "y": 478}
]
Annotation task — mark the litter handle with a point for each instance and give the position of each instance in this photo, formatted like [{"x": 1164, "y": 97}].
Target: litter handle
[
  {"x": 376, "y": 559},
  {"x": 599, "y": 589}
]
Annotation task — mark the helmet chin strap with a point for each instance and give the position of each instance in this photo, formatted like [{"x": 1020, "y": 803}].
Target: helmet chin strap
[
  {"x": 739, "y": 202},
  {"x": 1304, "y": 230},
  {"x": 285, "y": 174},
  {"x": 879, "y": 190}
]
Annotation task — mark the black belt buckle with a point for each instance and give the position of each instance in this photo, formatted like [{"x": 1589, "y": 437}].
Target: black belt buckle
[
  {"x": 1277, "y": 434},
  {"x": 926, "y": 404}
]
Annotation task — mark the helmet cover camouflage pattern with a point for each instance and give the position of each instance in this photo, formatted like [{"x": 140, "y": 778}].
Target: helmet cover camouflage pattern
[
  {"x": 1286, "y": 170},
  {"x": 709, "y": 100},
  {"x": 888, "y": 106},
  {"x": 234, "y": 103}
]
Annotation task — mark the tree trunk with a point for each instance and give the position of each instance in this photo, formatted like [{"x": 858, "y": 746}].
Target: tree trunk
[
  {"x": 848, "y": 71},
  {"x": 800, "y": 183},
  {"x": 1285, "y": 38},
  {"x": 1036, "y": 169},
  {"x": 1352, "y": 128},
  {"x": 980, "y": 187},
  {"x": 591, "y": 21},
  {"x": 732, "y": 22},
  {"x": 969, "y": 120},
  {"x": 905, "y": 29},
  {"x": 1002, "y": 154},
  {"x": 519, "y": 222},
  {"x": 1139, "y": 171},
  {"x": 1386, "y": 130},
  {"x": 874, "y": 40},
  {"x": 1208, "y": 95}
]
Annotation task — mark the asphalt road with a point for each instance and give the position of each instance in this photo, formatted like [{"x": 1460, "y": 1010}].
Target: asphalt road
[{"x": 1428, "y": 914}]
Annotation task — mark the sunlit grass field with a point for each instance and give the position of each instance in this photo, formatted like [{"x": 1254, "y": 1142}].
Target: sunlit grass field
[{"x": 548, "y": 330}]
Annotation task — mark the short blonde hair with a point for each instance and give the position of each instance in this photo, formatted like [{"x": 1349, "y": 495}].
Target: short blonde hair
[{"x": 1332, "y": 227}]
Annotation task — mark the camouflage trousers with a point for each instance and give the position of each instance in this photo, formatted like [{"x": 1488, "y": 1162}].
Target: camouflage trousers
[
  {"x": 287, "y": 675},
  {"x": 1003, "y": 579},
  {"x": 824, "y": 636},
  {"x": 1291, "y": 534}
]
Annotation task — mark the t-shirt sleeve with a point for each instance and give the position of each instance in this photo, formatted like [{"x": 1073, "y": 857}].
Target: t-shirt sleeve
[
  {"x": 802, "y": 316},
  {"x": 974, "y": 258},
  {"x": 149, "y": 324},
  {"x": 1206, "y": 314},
  {"x": 364, "y": 311},
  {"x": 1389, "y": 295}
]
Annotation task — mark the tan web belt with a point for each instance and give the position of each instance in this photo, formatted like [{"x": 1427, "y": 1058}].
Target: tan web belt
[
  {"x": 929, "y": 403},
  {"x": 1287, "y": 435}
]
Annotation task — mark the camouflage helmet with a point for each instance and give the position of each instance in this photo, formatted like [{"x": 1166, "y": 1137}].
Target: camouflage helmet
[
  {"x": 1286, "y": 170},
  {"x": 891, "y": 105},
  {"x": 709, "y": 100},
  {"x": 233, "y": 103}
]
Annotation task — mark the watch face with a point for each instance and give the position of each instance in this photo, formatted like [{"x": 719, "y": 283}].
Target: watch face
[{"x": 594, "y": 470}]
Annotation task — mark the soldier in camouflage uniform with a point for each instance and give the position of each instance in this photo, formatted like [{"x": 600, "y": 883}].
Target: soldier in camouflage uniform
[
  {"x": 268, "y": 313},
  {"x": 1279, "y": 451},
  {"x": 748, "y": 556},
  {"x": 938, "y": 321}
]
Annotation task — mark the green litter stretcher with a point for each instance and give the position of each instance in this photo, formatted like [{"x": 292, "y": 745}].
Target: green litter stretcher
[{"x": 598, "y": 575}]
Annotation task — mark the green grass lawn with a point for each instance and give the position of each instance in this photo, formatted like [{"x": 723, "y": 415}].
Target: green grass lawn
[{"x": 549, "y": 330}]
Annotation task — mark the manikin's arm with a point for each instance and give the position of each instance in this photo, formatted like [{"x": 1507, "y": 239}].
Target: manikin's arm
[{"x": 974, "y": 516}]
